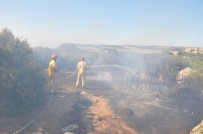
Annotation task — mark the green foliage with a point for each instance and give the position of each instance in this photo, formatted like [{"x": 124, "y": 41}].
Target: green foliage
[
  {"x": 21, "y": 82},
  {"x": 194, "y": 61}
]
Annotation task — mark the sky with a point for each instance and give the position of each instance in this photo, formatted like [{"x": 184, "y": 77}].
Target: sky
[{"x": 50, "y": 23}]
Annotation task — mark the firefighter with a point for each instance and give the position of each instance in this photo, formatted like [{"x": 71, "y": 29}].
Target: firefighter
[
  {"x": 52, "y": 69},
  {"x": 81, "y": 68}
]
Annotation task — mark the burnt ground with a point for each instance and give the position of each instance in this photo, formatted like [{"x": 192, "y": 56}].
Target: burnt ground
[
  {"x": 104, "y": 108},
  {"x": 154, "y": 109}
]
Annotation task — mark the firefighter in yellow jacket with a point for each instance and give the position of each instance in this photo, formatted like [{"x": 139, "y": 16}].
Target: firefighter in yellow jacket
[
  {"x": 81, "y": 68},
  {"x": 52, "y": 70}
]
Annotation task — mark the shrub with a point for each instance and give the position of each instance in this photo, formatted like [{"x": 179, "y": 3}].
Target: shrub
[{"x": 21, "y": 83}]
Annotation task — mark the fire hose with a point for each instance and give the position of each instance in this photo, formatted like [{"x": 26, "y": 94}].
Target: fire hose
[{"x": 33, "y": 120}]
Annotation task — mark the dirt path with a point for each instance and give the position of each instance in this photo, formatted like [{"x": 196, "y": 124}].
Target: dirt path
[
  {"x": 76, "y": 111},
  {"x": 104, "y": 118}
]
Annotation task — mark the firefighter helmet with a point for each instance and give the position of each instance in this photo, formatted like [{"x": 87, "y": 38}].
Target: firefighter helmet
[{"x": 54, "y": 56}]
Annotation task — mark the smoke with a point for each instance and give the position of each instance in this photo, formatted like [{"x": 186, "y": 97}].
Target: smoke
[
  {"x": 101, "y": 76},
  {"x": 137, "y": 87}
]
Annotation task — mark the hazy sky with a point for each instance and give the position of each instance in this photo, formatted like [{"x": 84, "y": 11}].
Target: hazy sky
[{"x": 113, "y": 22}]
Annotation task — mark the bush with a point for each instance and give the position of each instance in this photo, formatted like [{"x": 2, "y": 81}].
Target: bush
[{"x": 21, "y": 83}]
